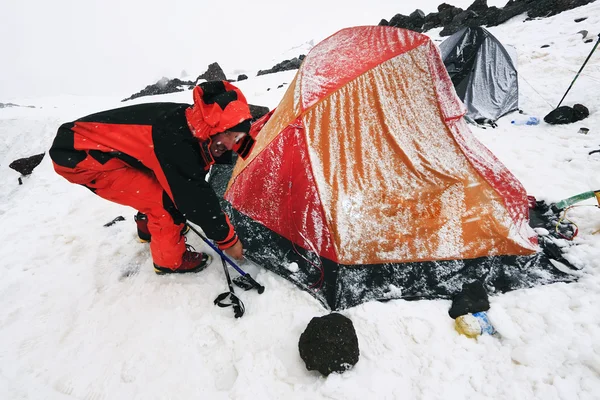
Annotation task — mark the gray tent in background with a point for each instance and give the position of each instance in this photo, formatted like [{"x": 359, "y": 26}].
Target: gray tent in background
[{"x": 484, "y": 73}]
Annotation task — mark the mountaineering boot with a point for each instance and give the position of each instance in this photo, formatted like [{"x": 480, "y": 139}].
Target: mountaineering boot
[
  {"x": 141, "y": 220},
  {"x": 192, "y": 262}
]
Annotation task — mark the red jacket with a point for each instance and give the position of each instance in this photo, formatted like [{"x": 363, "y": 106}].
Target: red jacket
[{"x": 155, "y": 137}]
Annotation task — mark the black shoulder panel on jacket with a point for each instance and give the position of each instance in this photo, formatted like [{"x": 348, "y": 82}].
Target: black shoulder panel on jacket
[
  {"x": 179, "y": 155},
  {"x": 63, "y": 151}
]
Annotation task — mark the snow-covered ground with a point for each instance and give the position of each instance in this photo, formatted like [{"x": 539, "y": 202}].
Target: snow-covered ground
[{"x": 73, "y": 327}]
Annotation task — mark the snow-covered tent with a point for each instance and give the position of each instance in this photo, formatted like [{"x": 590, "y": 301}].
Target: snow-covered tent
[
  {"x": 483, "y": 71},
  {"x": 366, "y": 183}
]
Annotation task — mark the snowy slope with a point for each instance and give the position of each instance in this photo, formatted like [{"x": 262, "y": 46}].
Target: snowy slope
[{"x": 74, "y": 326}]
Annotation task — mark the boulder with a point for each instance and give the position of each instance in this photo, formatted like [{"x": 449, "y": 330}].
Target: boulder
[
  {"x": 471, "y": 299},
  {"x": 213, "y": 73},
  {"x": 25, "y": 165},
  {"x": 447, "y": 14},
  {"x": 466, "y": 18},
  {"x": 432, "y": 20},
  {"x": 491, "y": 16},
  {"x": 329, "y": 344},
  {"x": 479, "y": 6},
  {"x": 414, "y": 21}
]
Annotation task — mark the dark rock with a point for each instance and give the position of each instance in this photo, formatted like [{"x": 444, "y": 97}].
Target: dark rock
[
  {"x": 383, "y": 22},
  {"x": 454, "y": 19},
  {"x": 545, "y": 46},
  {"x": 432, "y": 20},
  {"x": 511, "y": 10},
  {"x": 242, "y": 77},
  {"x": 258, "y": 111},
  {"x": 566, "y": 115},
  {"x": 25, "y": 165},
  {"x": 399, "y": 21},
  {"x": 491, "y": 16},
  {"x": 479, "y": 6},
  {"x": 213, "y": 73},
  {"x": 444, "y": 6},
  {"x": 578, "y": 20},
  {"x": 590, "y": 40},
  {"x": 163, "y": 86},
  {"x": 559, "y": 116},
  {"x": 329, "y": 344},
  {"x": 447, "y": 14},
  {"x": 471, "y": 299},
  {"x": 414, "y": 21},
  {"x": 547, "y": 8},
  {"x": 466, "y": 18},
  {"x": 286, "y": 65},
  {"x": 580, "y": 112}
]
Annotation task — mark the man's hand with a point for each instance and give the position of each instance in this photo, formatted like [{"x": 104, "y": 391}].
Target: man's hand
[{"x": 235, "y": 251}]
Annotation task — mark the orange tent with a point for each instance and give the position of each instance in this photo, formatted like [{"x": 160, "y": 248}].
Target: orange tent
[{"x": 366, "y": 170}]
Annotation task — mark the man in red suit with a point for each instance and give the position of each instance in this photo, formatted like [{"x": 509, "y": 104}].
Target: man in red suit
[{"x": 154, "y": 157}]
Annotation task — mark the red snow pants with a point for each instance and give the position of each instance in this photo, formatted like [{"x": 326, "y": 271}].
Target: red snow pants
[{"x": 138, "y": 189}]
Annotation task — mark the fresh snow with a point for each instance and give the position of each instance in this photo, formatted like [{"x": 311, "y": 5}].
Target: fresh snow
[{"x": 85, "y": 317}]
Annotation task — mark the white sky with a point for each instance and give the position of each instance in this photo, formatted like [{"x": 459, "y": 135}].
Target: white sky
[
  {"x": 71, "y": 327},
  {"x": 117, "y": 46}
]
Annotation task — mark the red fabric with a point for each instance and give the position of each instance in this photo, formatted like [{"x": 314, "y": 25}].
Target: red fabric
[
  {"x": 349, "y": 53},
  {"x": 206, "y": 120},
  {"x": 134, "y": 140},
  {"x": 140, "y": 190},
  {"x": 480, "y": 157},
  {"x": 289, "y": 203}
]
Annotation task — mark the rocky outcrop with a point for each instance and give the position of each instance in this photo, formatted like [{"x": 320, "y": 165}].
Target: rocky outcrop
[
  {"x": 286, "y": 65},
  {"x": 453, "y": 19},
  {"x": 213, "y": 73},
  {"x": 163, "y": 86}
]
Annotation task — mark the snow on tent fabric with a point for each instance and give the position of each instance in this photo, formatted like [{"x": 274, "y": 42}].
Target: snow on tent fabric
[
  {"x": 483, "y": 72},
  {"x": 368, "y": 178}
]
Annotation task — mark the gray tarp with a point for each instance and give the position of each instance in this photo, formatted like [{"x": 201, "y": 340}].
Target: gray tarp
[{"x": 483, "y": 72}]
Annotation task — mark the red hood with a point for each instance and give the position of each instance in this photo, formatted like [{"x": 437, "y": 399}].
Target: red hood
[{"x": 218, "y": 106}]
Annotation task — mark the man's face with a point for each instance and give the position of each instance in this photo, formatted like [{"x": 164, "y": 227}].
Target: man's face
[{"x": 224, "y": 141}]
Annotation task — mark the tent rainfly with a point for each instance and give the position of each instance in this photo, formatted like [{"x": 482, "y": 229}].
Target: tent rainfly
[
  {"x": 366, "y": 184},
  {"x": 483, "y": 72}
]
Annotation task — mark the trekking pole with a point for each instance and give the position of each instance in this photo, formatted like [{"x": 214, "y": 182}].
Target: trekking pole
[
  {"x": 247, "y": 281},
  {"x": 583, "y": 66},
  {"x": 236, "y": 303}
]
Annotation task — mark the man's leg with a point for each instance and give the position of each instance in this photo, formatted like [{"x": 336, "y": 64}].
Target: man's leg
[{"x": 141, "y": 190}]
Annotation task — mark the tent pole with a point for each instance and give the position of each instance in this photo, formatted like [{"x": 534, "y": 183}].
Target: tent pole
[{"x": 577, "y": 76}]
